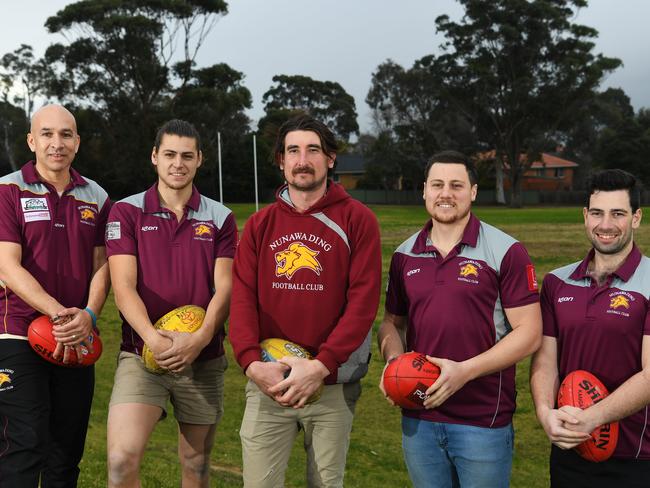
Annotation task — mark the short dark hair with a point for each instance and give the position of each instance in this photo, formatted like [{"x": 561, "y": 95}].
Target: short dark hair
[
  {"x": 178, "y": 127},
  {"x": 453, "y": 157},
  {"x": 305, "y": 122},
  {"x": 613, "y": 180}
]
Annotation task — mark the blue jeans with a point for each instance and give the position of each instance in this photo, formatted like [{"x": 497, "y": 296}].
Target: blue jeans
[{"x": 441, "y": 455}]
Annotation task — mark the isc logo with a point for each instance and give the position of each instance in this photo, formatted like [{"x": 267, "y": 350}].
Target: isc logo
[
  {"x": 564, "y": 299},
  {"x": 147, "y": 228}
]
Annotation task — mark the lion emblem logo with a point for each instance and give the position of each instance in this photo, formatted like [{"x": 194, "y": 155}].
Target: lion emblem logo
[
  {"x": 187, "y": 317},
  {"x": 295, "y": 257},
  {"x": 4, "y": 378},
  {"x": 202, "y": 230},
  {"x": 87, "y": 214},
  {"x": 469, "y": 270},
  {"x": 619, "y": 301}
]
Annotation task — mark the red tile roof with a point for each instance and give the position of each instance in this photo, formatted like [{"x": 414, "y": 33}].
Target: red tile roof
[{"x": 548, "y": 161}]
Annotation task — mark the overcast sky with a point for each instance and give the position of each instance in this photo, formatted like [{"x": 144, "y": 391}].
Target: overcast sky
[{"x": 345, "y": 40}]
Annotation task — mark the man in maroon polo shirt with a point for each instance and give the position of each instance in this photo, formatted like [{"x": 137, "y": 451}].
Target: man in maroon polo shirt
[
  {"x": 169, "y": 246},
  {"x": 596, "y": 318},
  {"x": 465, "y": 294},
  {"x": 52, "y": 262}
]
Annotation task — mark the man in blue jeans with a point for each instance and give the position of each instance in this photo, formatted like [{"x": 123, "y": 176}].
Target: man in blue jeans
[{"x": 465, "y": 294}]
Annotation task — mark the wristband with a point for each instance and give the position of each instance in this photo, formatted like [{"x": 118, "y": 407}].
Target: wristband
[{"x": 92, "y": 316}]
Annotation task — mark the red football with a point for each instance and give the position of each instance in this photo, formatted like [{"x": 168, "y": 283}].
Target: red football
[
  {"x": 408, "y": 377},
  {"x": 42, "y": 341},
  {"x": 582, "y": 389}
]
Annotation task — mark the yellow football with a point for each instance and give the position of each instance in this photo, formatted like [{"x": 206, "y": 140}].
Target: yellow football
[
  {"x": 274, "y": 349},
  {"x": 187, "y": 318}
]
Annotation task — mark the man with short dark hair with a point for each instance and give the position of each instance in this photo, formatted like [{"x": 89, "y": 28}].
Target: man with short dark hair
[
  {"x": 326, "y": 304},
  {"x": 596, "y": 318},
  {"x": 463, "y": 293},
  {"x": 52, "y": 262},
  {"x": 168, "y": 247}
]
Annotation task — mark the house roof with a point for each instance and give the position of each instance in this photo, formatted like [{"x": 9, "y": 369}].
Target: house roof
[
  {"x": 553, "y": 161},
  {"x": 548, "y": 160},
  {"x": 350, "y": 163}
]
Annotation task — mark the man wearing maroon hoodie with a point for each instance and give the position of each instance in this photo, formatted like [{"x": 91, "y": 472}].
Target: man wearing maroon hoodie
[{"x": 308, "y": 270}]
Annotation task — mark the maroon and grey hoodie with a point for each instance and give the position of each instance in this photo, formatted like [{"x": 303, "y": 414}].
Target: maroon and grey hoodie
[{"x": 312, "y": 278}]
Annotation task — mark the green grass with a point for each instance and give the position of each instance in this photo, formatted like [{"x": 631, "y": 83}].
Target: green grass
[{"x": 553, "y": 237}]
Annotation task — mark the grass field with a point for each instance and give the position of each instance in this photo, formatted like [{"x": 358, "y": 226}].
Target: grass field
[{"x": 553, "y": 237}]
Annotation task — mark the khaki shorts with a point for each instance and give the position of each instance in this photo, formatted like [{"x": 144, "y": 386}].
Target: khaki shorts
[
  {"x": 269, "y": 430},
  {"x": 196, "y": 393}
]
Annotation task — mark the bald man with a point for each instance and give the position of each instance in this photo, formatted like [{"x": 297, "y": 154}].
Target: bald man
[{"x": 52, "y": 262}]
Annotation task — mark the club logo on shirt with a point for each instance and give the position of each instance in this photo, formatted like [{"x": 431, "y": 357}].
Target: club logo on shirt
[
  {"x": 469, "y": 271},
  {"x": 5, "y": 379},
  {"x": 619, "y": 303},
  {"x": 202, "y": 230},
  {"x": 87, "y": 214},
  {"x": 296, "y": 256}
]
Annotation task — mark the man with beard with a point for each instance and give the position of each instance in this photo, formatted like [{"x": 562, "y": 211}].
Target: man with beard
[
  {"x": 52, "y": 262},
  {"x": 596, "y": 318},
  {"x": 465, "y": 294},
  {"x": 308, "y": 270},
  {"x": 167, "y": 247}
]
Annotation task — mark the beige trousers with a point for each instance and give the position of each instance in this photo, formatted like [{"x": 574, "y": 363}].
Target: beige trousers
[{"x": 269, "y": 430}]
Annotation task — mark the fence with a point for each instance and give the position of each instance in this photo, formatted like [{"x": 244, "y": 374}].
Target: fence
[{"x": 484, "y": 197}]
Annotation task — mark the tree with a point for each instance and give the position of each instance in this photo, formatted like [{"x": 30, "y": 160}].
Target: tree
[
  {"x": 626, "y": 145},
  {"x": 13, "y": 128},
  {"x": 214, "y": 99},
  {"x": 324, "y": 100},
  {"x": 605, "y": 111},
  {"x": 414, "y": 119},
  {"x": 118, "y": 74},
  {"x": 382, "y": 164},
  {"x": 519, "y": 70},
  {"x": 24, "y": 75}
]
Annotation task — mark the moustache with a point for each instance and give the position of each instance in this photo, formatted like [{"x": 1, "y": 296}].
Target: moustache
[{"x": 304, "y": 169}]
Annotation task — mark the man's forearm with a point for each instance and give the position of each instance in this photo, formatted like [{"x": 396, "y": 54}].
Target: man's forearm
[
  {"x": 630, "y": 397},
  {"x": 389, "y": 337},
  {"x": 135, "y": 312},
  {"x": 98, "y": 291},
  {"x": 215, "y": 317},
  {"x": 22, "y": 283},
  {"x": 514, "y": 347}
]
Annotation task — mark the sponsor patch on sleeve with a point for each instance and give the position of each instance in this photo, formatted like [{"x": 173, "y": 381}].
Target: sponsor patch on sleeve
[
  {"x": 113, "y": 231},
  {"x": 532, "y": 279}
]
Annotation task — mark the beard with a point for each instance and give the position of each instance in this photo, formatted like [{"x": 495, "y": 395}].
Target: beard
[
  {"x": 613, "y": 248},
  {"x": 309, "y": 184},
  {"x": 450, "y": 218}
]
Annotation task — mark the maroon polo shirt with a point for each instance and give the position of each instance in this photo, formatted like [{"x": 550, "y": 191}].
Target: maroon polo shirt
[
  {"x": 455, "y": 307},
  {"x": 600, "y": 329},
  {"x": 57, "y": 236},
  {"x": 176, "y": 260}
]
